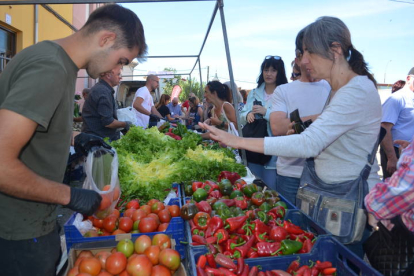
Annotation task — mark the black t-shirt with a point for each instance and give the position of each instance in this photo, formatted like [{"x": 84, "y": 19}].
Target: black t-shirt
[{"x": 164, "y": 111}]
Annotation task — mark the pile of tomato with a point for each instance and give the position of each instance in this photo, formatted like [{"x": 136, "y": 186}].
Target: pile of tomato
[
  {"x": 151, "y": 217},
  {"x": 142, "y": 257}
]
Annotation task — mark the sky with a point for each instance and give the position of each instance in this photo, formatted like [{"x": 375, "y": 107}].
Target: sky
[{"x": 382, "y": 30}]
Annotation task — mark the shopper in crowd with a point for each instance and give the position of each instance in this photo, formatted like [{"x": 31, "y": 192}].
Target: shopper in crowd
[
  {"x": 343, "y": 136},
  {"x": 36, "y": 112},
  {"x": 99, "y": 111},
  {"x": 309, "y": 97},
  {"x": 163, "y": 109},
  {"x": 238, "y": 103},
  {"x": 186, "y": 104},
  {"x": 175, "y": 108},
  {"x": 244, "y": 95},
  {"x": 259, "y": 104},
  {"x": 143, "y": 102},
  {"x": 397, "y": 86},
  {"x": 398, "y": 120},
  {"x": 296, "y": 71},
  {"x": 194, "y": 113}
]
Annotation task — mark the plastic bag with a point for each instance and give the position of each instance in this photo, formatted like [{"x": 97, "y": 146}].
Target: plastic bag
[
  {"x": 101, "y": 169},
  {"x": 126, "y": 114},
  {"x": 82, "y": 225}
]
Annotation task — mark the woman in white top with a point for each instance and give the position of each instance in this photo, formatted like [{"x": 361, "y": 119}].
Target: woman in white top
[{"x": 342, "y": 137}]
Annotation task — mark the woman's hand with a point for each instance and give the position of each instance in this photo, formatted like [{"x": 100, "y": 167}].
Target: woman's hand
[
  {"x": 374, "y": 222},
  {"x": 222, "y": 136},
  {"x": 250, "y": 117},
  {"x": 259, "y": 109},
  {"x": 208, "y": 121},
  {"x": 215, "y": 121},
  {"x": 402, "y": 143},
  {"x": 291, "y": 130}
]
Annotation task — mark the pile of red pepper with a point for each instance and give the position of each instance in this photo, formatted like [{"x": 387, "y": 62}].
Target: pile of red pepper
[{"x": 222, "y": 265}]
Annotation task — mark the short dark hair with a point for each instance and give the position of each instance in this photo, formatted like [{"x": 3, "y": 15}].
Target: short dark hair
[
  {"x": 397, "y": 86},
  {"x": 278, "y": 65},
  {"x": 122, "y": 21}
]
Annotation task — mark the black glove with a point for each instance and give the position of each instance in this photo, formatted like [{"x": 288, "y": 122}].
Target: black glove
[
  {"x": 84, "y": 143},
  {"x": 154, "y": 118},
  {"x": 84, "y": 201},
  {"x": 127, "y": 126}
]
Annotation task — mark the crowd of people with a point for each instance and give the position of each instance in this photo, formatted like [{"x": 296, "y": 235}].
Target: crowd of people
[{"x": 331, "y": 89}]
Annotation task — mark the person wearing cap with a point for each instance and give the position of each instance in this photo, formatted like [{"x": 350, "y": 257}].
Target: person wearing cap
[{"x": 398, "y": 120}]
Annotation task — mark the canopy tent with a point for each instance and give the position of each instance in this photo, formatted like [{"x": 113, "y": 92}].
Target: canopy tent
[{"x": 218, "y": 7}]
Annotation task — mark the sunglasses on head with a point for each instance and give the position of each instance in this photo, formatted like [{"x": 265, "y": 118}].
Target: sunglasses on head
[{"x": 274, "y": 57}]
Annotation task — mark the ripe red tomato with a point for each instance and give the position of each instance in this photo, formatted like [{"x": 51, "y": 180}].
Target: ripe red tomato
[
  {"x": 126, "y": 247},
  {"x": 110, "y": 223},
  {"x": 170, "y": 259},
  {"x": 174, "y": 210},
  {"x": 118, "y": 231},
  {"x": 85, "y": 253},
  {"x": 142, "y": 243},
  {"x": 116, "y": 213},
  {"x": 91, "y": 266},
  {"x": 105, "y": 203},
  {"x": 147, "y": 225},
  {"x": 153, "y": 253},
  {"x": 124, "y": 273},
  {"x": 125, "y": 224},
  {"x": 160, "y": 270},
  {"x": 155, "y": 216},
  {"x": 162, "y": 227},
  {"x": 116, "y": 263},
  {"x": 157, "y": 207},
  {"x": 164, "y": 215},
  {"x": 104, "y": 273},
  {"x": 115, "y": 194},
  {"x": 138, "y": 214},
  {"x": 98, "y": 223},
  {"x": 162, "y": 240},
  {"x": 152, "y": 201},
  {"x": 134, "y": 203},
  {"x": 74, "y": 271},
  {"x": 102, "y": 256},
  {"x": 146, "y": 208},
  {"x": 128, "y": 213},
  {"x": 91, "y": 233},
  {"x": 140, "y": 266}
]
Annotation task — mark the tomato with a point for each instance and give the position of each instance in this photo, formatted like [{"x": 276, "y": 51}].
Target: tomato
[
  {"x": 102, "y": 256},
  {"x": 147, "y": 225},
  {"x": 110, "y": 223},
  {"x": 90, "y": 265},
  {"x": 164, "y": 215},
  {"x": 134, "y": 203},
  {"x": 155, "y": 216},
  {"x": 140, "y": 266},
  {"x": 138, "y": 214},
  {"x": 91, "y": 233},
  {"x": 160, "y": 270},
  {"x": 142, "y": 243},
  {"x": 162, "y": 240},
  {"x": 104, "y": 233},
  {"x": 116, "y": 263},
  {"x": 74, "y": 271},
  {"x": 104, "y": 273},
  {"x": 152, "y": 201},
  {"x": 78, "y": 261},
  {"x": 124, "y": 273},
  {"x": 105, "y": 202},
  {"x": 146, "y": 208},
  {"x": 135, "y": 226},
  {"x": 85, "y": 253},
  {"x": 126, "y": 247},
  {"x": 83, "y": 274},
  {"x": 153, "y": 253},
  {"x": 162, "y": 227},
  {"x": 174, "y": 210},
  {"x": 125, "y": 224},
  {"x": 115, "y": 193},
  {"x": 128, "y": 213},
  {"x": 170, "y": 259},
  {"x": 157, "y": 207},
  {"x": 118, "y": 231},
  {"x": 116, "y": 213},
  {"x": 98, "y": 223}
]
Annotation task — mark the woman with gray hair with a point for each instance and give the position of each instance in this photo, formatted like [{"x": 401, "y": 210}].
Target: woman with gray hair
[{"x": 342, "y": 137}]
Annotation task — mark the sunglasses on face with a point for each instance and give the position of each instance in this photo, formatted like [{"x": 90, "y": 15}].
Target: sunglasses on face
[
  {"x": 274, "y": 57},
  {"x": 295, "y": 75}
]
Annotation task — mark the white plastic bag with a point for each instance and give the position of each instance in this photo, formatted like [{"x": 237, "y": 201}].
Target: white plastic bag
[
  {"x": 126, "y": 114},
  {"x": 101, "y": 169},
  {"x": 160, "y": 123},
  {"x": 82, "y": 225}
]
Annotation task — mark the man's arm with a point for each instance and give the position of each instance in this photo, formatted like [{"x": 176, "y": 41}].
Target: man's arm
[
  {"x": 16, "y": 179},
  {"x": 155, "y": 112},
  {"x": 116, "y": 124},
  {"x": 388, "y": 147},
  {"x": 138, "y": 106}
]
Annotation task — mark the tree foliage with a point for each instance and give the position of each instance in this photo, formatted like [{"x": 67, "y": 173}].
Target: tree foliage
[{"x": 186, "y": 85}]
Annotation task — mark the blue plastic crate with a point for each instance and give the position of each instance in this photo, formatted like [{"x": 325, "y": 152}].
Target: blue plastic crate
[
  {"x": 296, "y": 216},
  {"x": 326, "y": 248},
  {"x": 176, "y": 229}
]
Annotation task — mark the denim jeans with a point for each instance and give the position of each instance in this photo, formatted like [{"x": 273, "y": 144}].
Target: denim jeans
[
  {"x": 269, "y": 176},
  {"x": 288, "y": 187}
]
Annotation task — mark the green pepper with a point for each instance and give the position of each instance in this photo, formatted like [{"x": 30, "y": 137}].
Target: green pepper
[
  {"x": 200, "y": 194},
  {"x": 224, "y": 213},
  {"x": 249, "y": 190},
  {"x": 281, "y": 203},
  {"x": 188, "y": 190},
  {"x": 265, "y": 207},
  {"x": 236, "y": 193},
  {"x": 289, "y": 247},
  {"x": 237, "y": 212},
  {"x": 219, "y": 205},
  {"x": 225, "y": 186},
  {"x": 263, "y": 217},
  {"x": 270, "y": 193}
]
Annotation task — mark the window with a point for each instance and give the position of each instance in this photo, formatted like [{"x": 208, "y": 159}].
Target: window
[{"x": 7, "y": 46}]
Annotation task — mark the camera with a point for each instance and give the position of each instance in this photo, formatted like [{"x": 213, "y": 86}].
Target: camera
[
  {"x": 298, "y": 125},
  {"x": 257, "y": 116}
]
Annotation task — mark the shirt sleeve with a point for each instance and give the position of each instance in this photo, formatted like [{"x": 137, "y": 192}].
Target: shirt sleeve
[
  {"x": 396, "y": 196},
  {"x": 278, "y": 101},
  {"x": 105, "y": 108},
  {"x": 391, "y": 110}
]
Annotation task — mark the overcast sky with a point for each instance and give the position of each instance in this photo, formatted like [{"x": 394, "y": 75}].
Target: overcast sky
[{"x": 382, "y": 30}]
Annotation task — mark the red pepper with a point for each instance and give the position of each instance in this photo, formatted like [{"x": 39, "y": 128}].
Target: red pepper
[
  {"x": 278, "y": 233},
  {"x": 300, "y": 237},
  {"x": 228, "y": 202},
  {"x": 293, "y": 267},
  {"x": 239, "y": 183},
  {"x": 241, "y": 251},
  {"x": 261, "y": 273},
  {"x": 307, "y": 246},
  {"x": 267, "y": 248},
  {"x": 213, "y": 185},
  {"x": 229, "y": 247},
  {"x": 322, "y": 265},
  {"x": 279, "y": 211},
  {"x": 226, "y": 271},
  {"x": 172, "y": 135},
  {"x": 232, "y": 176},
  {"x": 197, "y": 185},
  {"x": 212, "y": 249},
  {"x": 240, "y": 265},
  {"x": 214, "y": 271},
  {"x": 204, "y": 206},
  {"x": 211, "y": 240},
  {"x": 201, "y": 272},
  {"x": 215, "y": 224},
  {"x": 201, "y": 220},
  {"x": 241, "y": 202},
  {"x": 260, "y": 230},
  {"x": 330, "y": 270},
  {"x": 202, "y": 260},
  {"x": 269, "y": 273},
  {"x": 258, "y": 198},
  {"x": 302, "y": 270},
  {"x": 314, "y": 271},
  {"x": 235, "y": 223},
  {"x": 309, "y": 235},
  {"x": 252, "y": 253},
  {"x": 198, "y": 239},
  {"x": 215, "y": 194},
  {"x": 253, "y": 271},
  {"x": 225, "y": 261},
  {"x": 210, "y": 260},
  {"x": 222, "y": 235},
  {"x": 245, "y": 270},
  {"x": 292, "y": 228}
]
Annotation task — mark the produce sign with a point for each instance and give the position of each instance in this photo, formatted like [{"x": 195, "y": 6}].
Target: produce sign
[{"x": 150, "y": 161}]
